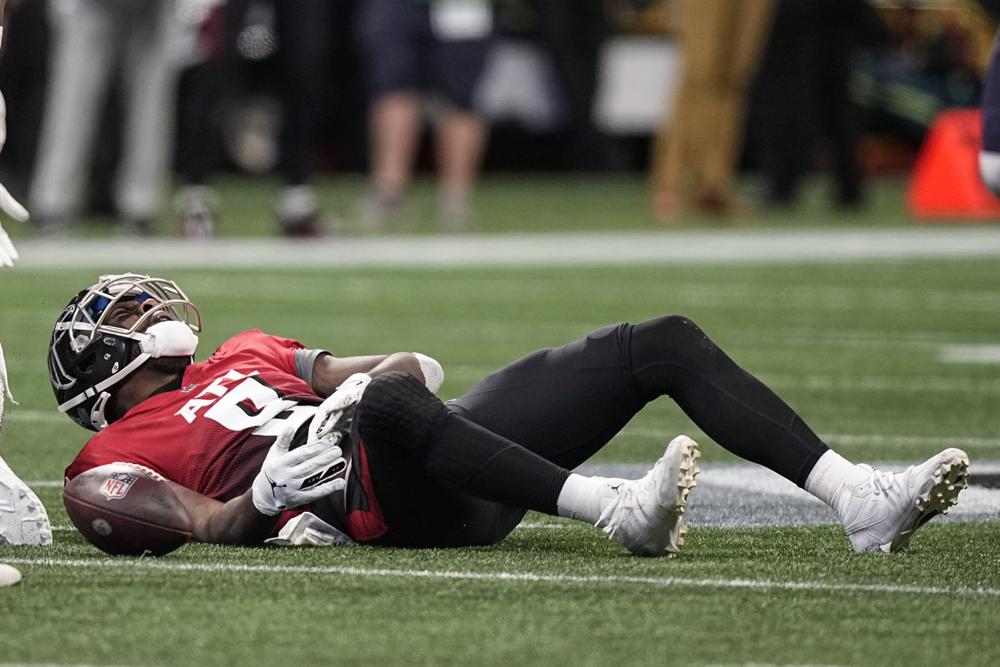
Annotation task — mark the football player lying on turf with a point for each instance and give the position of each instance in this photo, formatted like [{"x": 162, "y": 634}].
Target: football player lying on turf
[{"x": 245, "y": 438}]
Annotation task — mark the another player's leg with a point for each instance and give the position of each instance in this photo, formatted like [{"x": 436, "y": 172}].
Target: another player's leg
[
  {"x": 398, "y": 414},
  {"x": 671, "y": 356},
  {"x": 23, "y": 519}
]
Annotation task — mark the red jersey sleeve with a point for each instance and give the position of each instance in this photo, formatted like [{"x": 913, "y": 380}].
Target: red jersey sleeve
[{"x": 278, "y": 351}]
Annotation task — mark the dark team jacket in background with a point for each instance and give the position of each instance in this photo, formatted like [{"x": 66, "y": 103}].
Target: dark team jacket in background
[{"x": 212, "y": 434}]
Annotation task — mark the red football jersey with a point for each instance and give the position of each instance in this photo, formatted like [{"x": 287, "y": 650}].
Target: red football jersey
[{"x": 211, "y": 435}]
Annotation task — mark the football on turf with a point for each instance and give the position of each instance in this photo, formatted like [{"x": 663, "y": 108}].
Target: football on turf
[{"x": 124, "y": 509}]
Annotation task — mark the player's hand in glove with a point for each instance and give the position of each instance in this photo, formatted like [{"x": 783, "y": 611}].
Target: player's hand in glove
[
  {"x": 10, "y": 206},
  {"x": 296, "y": 477},
  {"x": 328, "y": 415}
]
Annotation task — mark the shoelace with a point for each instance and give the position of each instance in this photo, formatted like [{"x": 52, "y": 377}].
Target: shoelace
[
  {"x": 614, "y": 514},
  {"x": 882, "y": 481}
]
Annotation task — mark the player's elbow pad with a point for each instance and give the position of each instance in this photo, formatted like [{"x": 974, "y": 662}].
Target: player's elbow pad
[
  {"x": 989, "y": 170},
  {"x": 431, "y": 370}
]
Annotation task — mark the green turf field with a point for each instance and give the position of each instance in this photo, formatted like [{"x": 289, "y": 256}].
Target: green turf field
[{"x": 860, "y": 349}]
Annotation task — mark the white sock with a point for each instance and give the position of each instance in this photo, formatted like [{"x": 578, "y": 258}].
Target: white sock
[
  {"x": 584, "y": 498},
  {"x": 827, "y": 478}
]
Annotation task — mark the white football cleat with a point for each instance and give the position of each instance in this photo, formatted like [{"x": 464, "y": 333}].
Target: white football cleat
[
  {"x": 884, "y": 509},
  {"x": 647, "y": 516},
  {"x": 23, "y": 519}
]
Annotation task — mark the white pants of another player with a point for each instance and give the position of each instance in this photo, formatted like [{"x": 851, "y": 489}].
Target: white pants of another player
[{"x": 92, "y": 41}]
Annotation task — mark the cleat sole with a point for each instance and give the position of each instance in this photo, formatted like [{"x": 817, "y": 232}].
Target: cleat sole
[
  {"x": 654, "y": 525},
  {"x": 688, "y": 470},
  {"x": 950, "y": 478}
]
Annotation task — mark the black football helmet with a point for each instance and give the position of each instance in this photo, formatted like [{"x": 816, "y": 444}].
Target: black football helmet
[{"x": 88, "y": 356}]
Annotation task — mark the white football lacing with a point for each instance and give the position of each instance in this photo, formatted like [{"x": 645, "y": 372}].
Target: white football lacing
[
  {"x": 619, "y": 509},
  {"x": 882, "y": 481}
]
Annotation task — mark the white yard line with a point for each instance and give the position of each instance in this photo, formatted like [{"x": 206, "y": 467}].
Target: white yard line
[
  {"x": 771, "y": 664},
  {"x": 970, "y": 354},
  {"x": 54, "y": 664},
  {"x": 744, "y": 246},
  {"x": 511, "y": 577},
  {"x": 854, "y": 439}
]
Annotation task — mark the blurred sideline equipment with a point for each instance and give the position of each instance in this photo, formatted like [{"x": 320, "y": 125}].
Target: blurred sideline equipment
[{"x": 945, "y": 183}]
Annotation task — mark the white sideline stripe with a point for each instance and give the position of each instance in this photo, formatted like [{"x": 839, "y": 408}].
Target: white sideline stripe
[
  {"x": 980, "y": 465},
  {"x": 516, "y": 577},
  {"x": 743, "y": 246}
]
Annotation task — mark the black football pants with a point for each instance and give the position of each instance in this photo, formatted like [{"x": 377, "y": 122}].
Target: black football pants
[{"x": 469, "y": 483}]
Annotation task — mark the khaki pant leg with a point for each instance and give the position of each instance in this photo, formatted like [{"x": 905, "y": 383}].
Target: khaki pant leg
[
  {"x": 744, "y": 32},
  {"x": 680, "y": 143}
]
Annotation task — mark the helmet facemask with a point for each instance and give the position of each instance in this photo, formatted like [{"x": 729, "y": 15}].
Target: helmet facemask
[{"x": 89, "y": 355}]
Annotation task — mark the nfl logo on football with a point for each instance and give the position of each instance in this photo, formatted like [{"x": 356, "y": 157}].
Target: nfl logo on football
[{"x": 117, "y": 485}]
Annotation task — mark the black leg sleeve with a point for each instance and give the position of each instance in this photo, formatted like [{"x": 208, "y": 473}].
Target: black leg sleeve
[
  {"x": 397, "y": 411},
  {"x": 304, "y": 29},
  {"x": 672, "y": 356}
]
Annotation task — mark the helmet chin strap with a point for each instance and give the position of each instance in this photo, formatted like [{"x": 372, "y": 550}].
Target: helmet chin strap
[
  {"x": 165, "y": 339},
  {"x": 169, "y": 339}
]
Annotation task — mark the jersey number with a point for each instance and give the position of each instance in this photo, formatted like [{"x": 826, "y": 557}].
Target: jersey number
[{"x": 241, "y": 402}]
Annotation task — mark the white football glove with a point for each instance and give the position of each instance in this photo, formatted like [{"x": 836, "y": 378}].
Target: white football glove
[
  {"x": 10, "y": 206},
  {"x": 308, "y": 530},
  {"x": 332, "y": 409},
  {"x": 298, "y": 477}
]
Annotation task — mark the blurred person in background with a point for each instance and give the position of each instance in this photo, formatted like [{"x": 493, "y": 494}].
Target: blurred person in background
[
  {"x": 93, "y": 40},
  {"x": 697, "y": 148},
  {"x": 202, "y": 79},
  {"x": 573, "y": 32},
  {"x": 9, "y": 205},
  {"x": 804, "y": 96},
  {"x": 295, "y": 32},
  {"x": 25, "y": 54},
  {"x": 412, "y": 47},
  {"x": 989, "y": 156}
]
